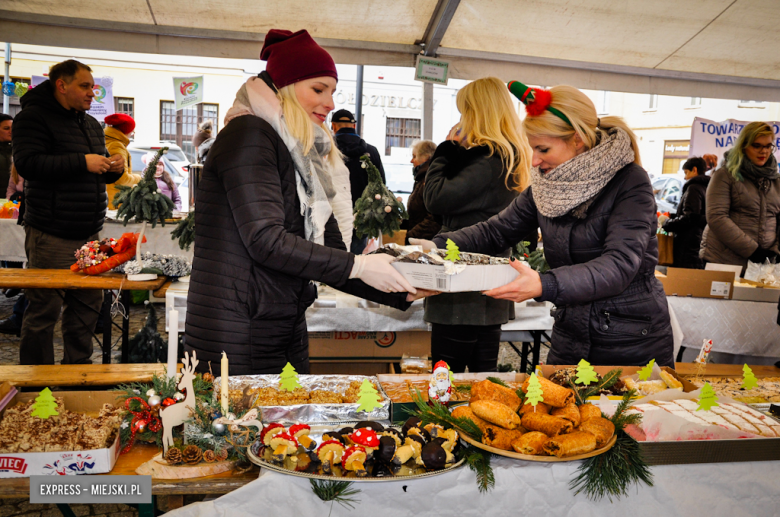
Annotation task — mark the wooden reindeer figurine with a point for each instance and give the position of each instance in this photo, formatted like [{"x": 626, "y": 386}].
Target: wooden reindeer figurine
[{"x": 176, "y": 414}]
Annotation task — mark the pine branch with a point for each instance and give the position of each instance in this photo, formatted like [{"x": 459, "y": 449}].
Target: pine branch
[
  {"x": 496, "y": 380},
  {"x": 478, "y": 461},
  {"x": 339, "y": 491}
]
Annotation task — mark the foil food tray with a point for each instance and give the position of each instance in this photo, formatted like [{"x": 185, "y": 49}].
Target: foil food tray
[{"x": 311, "y": 413}]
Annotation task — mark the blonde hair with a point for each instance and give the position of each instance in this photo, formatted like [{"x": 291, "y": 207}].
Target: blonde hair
[
  {"x": 581, "y": 112},
  {"x": 300, "y": 125},
  {"x": 746, "y": 137},
  {"x": 488, "y": 118}
]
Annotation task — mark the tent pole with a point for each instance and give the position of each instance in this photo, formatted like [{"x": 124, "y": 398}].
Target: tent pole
[
  {"x": 359, "y": 101},
  {"x": 427, "y": 109},
  {"x": 7, "y": 76}
]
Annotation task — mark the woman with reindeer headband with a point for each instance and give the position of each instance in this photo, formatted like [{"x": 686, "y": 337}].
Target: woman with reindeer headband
[
  {"x": 594, "y": 205},
  {"x": 268, "y": 219}
]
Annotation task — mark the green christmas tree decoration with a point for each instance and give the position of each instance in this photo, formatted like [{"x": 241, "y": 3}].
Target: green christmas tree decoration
[
  {"x": 377, "y": 211},
  {"x": 368, "y": 397},
  {"x": 21, "y": 88},
  {"x": 585, "y": 373},
  {"x": 707, "y": 399},
  {"x": 749, "y": 380},
  {"x": 534, "y": 258},
  {"x": 453, "y": 252},
  {"x": 45, "y": 405},
  {"x": 289, "y": 378},
  {"x": 534, "y": 395},
  {"x": 185, "y": 231},
  {"x": 644, "y": 373}
]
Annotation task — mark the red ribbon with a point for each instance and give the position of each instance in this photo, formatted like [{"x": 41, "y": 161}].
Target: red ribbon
[{"x": 145, "y": 415}]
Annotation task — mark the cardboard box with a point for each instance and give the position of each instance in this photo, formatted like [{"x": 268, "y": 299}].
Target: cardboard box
[
  {"x": 473, "y": 278},
  {"x": 698, "y": 283},
  {"x": 398, "y": 237},
  {"x": 548, "y": 370},
  {"x": 95, "y": 461},
  {"x": 324, "y": 367},
  {"x": 368, "y": 346},
  {"x": 745, "y": 290}
]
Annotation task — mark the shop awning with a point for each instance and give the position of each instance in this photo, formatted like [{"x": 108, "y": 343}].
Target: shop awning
[{"x": 702, "y": 48}]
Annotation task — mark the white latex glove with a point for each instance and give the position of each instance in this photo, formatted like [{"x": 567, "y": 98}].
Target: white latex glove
[
  {"x": 376, "y": 271},
  {"x": 426, "y": 244}
]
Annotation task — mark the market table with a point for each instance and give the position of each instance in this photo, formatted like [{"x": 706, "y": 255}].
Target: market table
[
  {"x": 79, "y": 374},
  {"x": 158, "y": 239},
  {"x": 67, "y": 279},
  {"x": 741, "y": 331}
]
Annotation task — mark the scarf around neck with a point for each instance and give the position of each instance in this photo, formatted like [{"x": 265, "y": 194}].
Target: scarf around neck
[
  {"x": 762, "y": 176},
  {"x": 573, "y": 185},
  {"x": 313, "y": 183}
]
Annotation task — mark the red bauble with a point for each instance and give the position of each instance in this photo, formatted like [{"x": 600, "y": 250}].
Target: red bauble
[
  {"x": 168, "y": 402},
  {"x": 139, "y": 426}
]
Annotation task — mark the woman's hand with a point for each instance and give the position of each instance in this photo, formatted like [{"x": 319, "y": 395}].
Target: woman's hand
[
  {"x": 426, "y": 244},
  {"x": 454, "y": 133},
  {"x": 421, "y": 293},
  {"x": 526, "y": 286},
  {"x": 376, "y": 271}
]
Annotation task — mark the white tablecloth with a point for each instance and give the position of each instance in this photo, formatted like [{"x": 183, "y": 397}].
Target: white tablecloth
[
  {"x": 522, "y": 488},
  {"x": 747, "y": 330},
  {"x": 158, "y": 239}
]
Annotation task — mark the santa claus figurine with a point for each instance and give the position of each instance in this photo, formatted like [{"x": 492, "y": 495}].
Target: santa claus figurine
[{"x": 440, "y": 387}]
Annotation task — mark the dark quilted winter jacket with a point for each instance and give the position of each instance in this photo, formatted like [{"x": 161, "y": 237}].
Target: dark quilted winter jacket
[
  {"x": 250, "y": 283},
  {"x": 689, "y": 223},
  {"x": 61, "y": 197},
  {"x": 610, "y": 308}
]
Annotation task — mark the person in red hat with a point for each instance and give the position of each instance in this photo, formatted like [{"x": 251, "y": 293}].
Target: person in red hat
[
  {"x": 266, "y": 226},
  {"x": 119, "y": 128}
]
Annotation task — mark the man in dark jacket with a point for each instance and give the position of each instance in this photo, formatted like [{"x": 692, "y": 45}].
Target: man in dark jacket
[
  {"x": 6, "y": 122},
  {"x": 691, "y": 219},
  {"x": 353, "y": 147},
  {"x": 61, "y": 153}
]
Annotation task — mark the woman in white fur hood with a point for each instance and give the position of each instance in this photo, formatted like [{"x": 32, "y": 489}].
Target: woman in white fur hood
[{"x": 274, "y": 214}]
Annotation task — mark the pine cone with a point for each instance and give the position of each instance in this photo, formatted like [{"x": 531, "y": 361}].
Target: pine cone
[
  {"x": 222, "y": 455},
  {"x": 209, "y": 456},
  {"x": 192, "y": 454},
  {"x": 174, "y": 456},
  {"x": 207, "y": 377}
]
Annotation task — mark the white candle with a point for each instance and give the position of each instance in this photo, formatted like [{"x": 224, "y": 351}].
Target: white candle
[
  {"x": 223, "y": 387},
  {"x": 173, "y": 342}
]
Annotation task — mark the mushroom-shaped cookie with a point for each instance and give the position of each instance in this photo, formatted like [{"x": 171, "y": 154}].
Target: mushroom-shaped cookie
[
  {"x": 387, "y": 447},
  {"x": 434, "y": 429},
  {"x": 419, "y": 432},
  {"x": 367, "y": 438},
  {"x": 434, "y": 456},
  {"x": 353, "y": 460},
  {"x": 283, "y": 444},
  {"x": 411, "y": 422},
  {"x": 410, "y": 449},
  {"x": 269, "y": 432},
  {"x": 376, "y": 426},
  {"x": 301, "y": 433},
  {"x": 330, "y": 453}
]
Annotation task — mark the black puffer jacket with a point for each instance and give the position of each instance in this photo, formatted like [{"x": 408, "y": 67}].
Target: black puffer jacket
[
  {"x": 62, "y": 197},
  {"x": 353, "y": 147},
  {"x": 610, "y": 308},
  {"x": 464, "y": 187},
  {"x": 689, "y": 223},
  {"x": 421, "y": 223},
  {"x": 250, "y": 283}
]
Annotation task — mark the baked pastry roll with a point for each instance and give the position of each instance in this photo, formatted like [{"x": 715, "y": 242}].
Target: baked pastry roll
[
  {"x": 466, "y": 412},
  {"x": 588, "y": 411},
  {"x": 549, "y": 425},
  {"x": 554, "y": 395},
  {"x": 541, "y": 407},
  {"x": 599, "y": 427},
  {"x": 499, "y": 438},
  {"x": 573, "y": 444},
  {"x": 487, "y": 390},
  {"x": 670, "y": 381},
  {"x": 531, "y": 443},
  {"x": 495, "y": 413},
  {"x": 570, "y": 412}
]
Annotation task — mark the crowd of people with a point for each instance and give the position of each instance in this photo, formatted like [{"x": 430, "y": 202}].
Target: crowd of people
[{"x": 276, "y": 197}]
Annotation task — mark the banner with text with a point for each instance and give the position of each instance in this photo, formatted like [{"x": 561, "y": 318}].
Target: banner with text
[
  {"x": 188, "y": 91},
  {"x": 710, "y": 137},
  {"x": 102, "y": 102}
]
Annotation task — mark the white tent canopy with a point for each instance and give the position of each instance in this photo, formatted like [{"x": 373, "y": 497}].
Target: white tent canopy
[{"x": 700, "y": 48}]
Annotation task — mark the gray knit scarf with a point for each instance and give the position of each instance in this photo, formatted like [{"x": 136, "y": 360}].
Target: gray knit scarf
[
  {"x": 573, "y": 185},
  {"x": 763, "y": 175}
]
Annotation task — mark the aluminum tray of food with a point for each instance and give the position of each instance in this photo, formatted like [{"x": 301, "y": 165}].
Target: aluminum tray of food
[
  {"x": 320, "y": 399},
  {"x": 360, "y": 451}
]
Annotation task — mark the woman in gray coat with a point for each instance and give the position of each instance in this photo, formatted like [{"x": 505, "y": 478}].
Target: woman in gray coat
[{"x": 743, "y": 201}]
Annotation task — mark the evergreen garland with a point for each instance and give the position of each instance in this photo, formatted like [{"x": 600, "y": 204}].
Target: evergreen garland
[
  {"x": 169, "y": 265},
  {"x": 185, "y": 231},
  {"x": 534, "y": 258},
  {"x": 377, "y": 211},
  {"x": 144, "y": 201}
]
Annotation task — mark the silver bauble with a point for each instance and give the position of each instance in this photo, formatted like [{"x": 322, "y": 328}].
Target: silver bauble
[
  {"x": 179, "y": 396},
  {"x": 154, "y": 401},
  {"x": 218, "y": 428},
  {"x": 151, "y": 393}
]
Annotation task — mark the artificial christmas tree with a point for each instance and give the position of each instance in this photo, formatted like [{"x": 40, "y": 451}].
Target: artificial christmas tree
[
  {"x": 148, "y": 346},
  {"x": 377, "y": 211}
]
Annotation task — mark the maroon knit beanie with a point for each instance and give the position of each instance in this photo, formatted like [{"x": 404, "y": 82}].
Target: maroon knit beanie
[{"x": 293, "y": 57}]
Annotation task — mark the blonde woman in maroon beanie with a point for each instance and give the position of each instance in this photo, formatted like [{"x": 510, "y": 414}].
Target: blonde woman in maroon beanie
[
  {"x": 265, "y": 227},
  {"x": 119, "y": 127}
]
